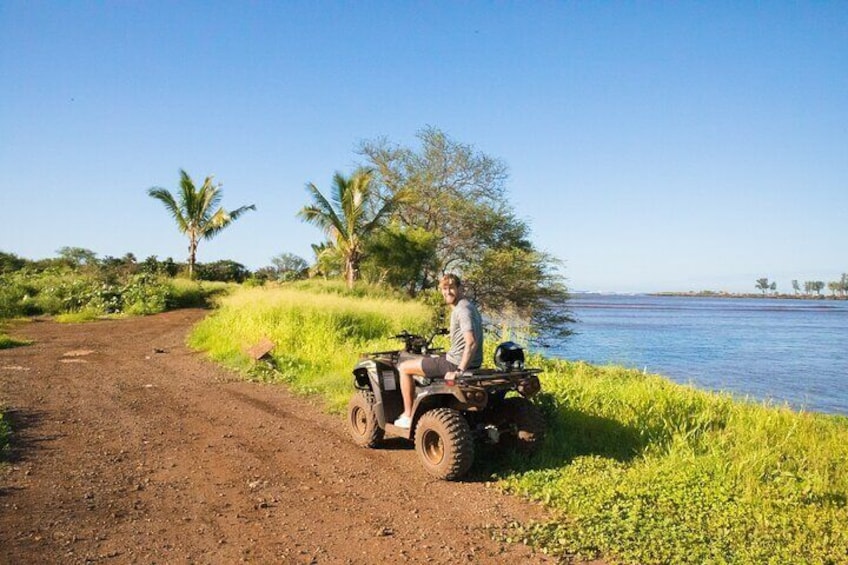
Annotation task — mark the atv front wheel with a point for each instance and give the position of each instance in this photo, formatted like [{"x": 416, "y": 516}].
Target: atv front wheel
[
  {"x": 444, "y": 443},
  {"x": 362, "y": 421},
  {"x": 523, "y": 423}
]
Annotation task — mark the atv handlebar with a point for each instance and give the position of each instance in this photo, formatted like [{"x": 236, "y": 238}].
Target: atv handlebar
[{"x": 414, "y": 343}]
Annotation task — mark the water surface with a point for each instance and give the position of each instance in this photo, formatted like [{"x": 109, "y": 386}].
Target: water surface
[{"x": 783, "y": 350}]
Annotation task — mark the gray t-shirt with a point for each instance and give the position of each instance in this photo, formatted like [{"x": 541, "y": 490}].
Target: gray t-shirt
[{"x": 465, "y": 317}]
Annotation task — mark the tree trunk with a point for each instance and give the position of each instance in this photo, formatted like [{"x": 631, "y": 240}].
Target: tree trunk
[{"x": 192, "y": 254}]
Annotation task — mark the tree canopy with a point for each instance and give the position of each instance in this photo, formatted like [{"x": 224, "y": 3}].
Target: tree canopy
[
  {"x": 457, "y": 196},
  {"x": 348, "y": 217}
]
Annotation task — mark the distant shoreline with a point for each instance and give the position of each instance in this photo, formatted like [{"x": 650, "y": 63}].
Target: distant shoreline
[{"x": 723, "y": 294}]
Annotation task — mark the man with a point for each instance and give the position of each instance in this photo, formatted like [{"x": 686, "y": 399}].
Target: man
[{"x": 466, "y": 350}]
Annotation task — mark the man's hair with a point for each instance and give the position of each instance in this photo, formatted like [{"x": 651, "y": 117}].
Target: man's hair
[{"x": 450, "y": 279}]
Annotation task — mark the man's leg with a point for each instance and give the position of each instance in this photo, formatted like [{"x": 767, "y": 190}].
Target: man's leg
[{"x": 406, "y": 371}]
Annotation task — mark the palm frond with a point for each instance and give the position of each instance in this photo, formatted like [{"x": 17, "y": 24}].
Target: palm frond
[
  {"x": 238, "y": 212},
  {"x": 320, "y": 213},
  {"x": 171, "y": 205}
]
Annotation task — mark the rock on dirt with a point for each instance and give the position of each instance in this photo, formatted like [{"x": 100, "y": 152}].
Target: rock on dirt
[{"x": 129, "y": 448}]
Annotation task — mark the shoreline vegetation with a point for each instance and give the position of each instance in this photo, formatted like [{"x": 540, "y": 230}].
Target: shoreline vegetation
[
  {"x": 812, "y": 290},
  {"x": 635, "y": 468},
  {"x": 725, "y": 294}
]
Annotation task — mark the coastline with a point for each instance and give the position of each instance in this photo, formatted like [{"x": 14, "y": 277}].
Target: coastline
[{"x": 755, "y": 295}]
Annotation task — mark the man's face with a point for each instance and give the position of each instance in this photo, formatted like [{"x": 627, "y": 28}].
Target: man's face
[{"x": 451, "y": 293}]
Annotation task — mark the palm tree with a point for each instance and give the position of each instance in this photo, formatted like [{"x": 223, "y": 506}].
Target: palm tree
[
  {"x": 348, "y": 218},
  {"x": 195, "y": 212}
]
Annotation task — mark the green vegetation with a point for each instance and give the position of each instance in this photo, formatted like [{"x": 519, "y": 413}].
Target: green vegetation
[
  {"x": 838, "y": 289},
  {"x": 647, "y": 471},
  {"x": 410, "y": 214},
  {"x": 195, "y": 212},
  {"x": 7, "y": 342},
  {"x": 75, "y": 289},
  {"x": 5, "y": 432},
  {"x": 318, "y": 330},
  {"x": 346, "y": 218},
  {"x": 637, "y": 468}
]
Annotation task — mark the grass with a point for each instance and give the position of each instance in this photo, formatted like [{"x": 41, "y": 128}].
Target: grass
[
  {"x": 7, "y": 342},
  {"x": 635, "y": 467},
  {"x": 318, "y": 332},
  {"x": 647, "y": 471},
  {"x": 5, "y": 432},
  {"x": 185, "y": 293}
]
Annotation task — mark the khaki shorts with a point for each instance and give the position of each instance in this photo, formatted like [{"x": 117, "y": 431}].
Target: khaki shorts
[{"x": 437, "y": 366}]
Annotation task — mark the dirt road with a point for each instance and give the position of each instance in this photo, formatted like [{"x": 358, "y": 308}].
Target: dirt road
[{"x": 129, "y": 448}]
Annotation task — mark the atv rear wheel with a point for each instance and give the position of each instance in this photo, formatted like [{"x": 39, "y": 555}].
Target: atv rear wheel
[
  {"x": 362, "y": 421},
  {"x": 523, "y": 425},
  {"x": 444, "y": 443}
]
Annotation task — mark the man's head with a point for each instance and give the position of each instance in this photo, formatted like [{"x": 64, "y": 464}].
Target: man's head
[{"x": 451, "y": 288}]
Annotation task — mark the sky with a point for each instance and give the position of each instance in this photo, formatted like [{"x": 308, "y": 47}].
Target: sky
[{"x": 651, "y": 146}]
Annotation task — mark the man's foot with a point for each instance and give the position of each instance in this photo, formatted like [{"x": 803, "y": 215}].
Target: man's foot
[{"x": 403, "y": 422}]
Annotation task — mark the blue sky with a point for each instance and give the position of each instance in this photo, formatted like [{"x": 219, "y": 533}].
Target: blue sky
[{"x": 651, "y": 146}]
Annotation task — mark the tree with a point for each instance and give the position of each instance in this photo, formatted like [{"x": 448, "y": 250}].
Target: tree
[
  {"x": 195, "y": 212},
  {"x": 224, "y": 270},
  {"x": 349, "y": 217},
  {"x": 328, "y": 261},
  {"x": 795, "y": 286},
  {"x": 834, "y": 287},
  {"x": 399, "y": 256},
  {"x": 458, "y": 194},
  {"x": 289, "y": 267},
  {"x": 77, "y": 256},
  {"x": 763, "y": 284},
  {"x": 10, "y": 262},
  {"x": 123, "y": 267},
  {"x": 447, "y": 188},
  {"x": 813, "y": 286},
  {"x": 513, "y": 283}
]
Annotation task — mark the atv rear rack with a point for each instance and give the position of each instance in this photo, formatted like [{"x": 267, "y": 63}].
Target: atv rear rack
[{"x": 525, "y": 381}]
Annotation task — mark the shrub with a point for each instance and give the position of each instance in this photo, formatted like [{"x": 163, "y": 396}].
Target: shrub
[
  {"x": 223, "y": 271},
  {"x": 144, "y": 294},
  {"x": 13, "y": 297},
  {"x": 74, "y": 295}
]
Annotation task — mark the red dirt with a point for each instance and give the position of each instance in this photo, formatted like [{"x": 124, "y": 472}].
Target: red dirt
[{"x": 130, "y": 448}]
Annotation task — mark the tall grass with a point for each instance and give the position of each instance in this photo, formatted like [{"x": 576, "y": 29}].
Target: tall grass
[
  {"x": 318, "y": 334},
  {"x": 637, "y": 468}
]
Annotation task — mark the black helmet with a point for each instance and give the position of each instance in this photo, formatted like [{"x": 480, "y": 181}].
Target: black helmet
[{"x": 509, "y": 357}]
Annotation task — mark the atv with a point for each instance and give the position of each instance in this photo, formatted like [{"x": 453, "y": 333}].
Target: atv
[{"x": 448, "y": 417}]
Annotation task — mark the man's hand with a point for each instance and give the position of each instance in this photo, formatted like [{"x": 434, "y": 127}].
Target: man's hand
[{"x": 451, "y": 376}]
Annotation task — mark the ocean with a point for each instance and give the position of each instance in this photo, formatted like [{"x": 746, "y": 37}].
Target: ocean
[{"x": 782, "y": 350}]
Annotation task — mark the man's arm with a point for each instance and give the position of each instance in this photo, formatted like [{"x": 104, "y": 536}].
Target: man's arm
[{"x": 467, "y": 354}]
